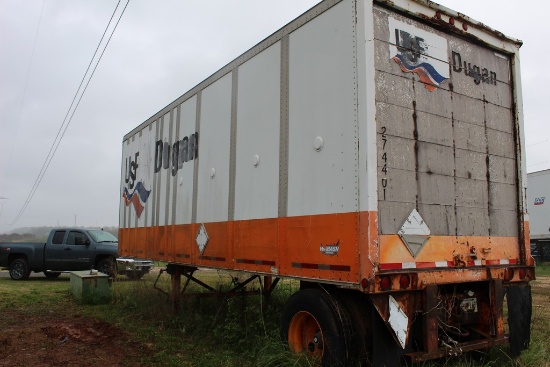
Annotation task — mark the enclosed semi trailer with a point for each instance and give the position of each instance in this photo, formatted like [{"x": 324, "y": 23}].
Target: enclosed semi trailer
[
  {"x": 538, "y": 199},
  {"x": 373, "y": 151}
]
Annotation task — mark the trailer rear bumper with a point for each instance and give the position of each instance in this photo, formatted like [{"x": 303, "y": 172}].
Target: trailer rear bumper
[
  {"x": 457, "y": 350},
  {"x": 450, "y": 319}
]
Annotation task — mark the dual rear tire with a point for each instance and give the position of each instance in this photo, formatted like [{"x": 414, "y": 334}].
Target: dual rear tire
[{"x": 316, "y": 322}]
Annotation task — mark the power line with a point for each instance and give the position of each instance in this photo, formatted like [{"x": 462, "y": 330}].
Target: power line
[
  {"x": 540, "y": 142},
  {"x": 26, "y": 84},
  {"x": 65, "y": 123},
  {"x": 536, "y": 164}
]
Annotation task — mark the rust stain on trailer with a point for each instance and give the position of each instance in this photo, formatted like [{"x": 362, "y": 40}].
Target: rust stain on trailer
[{"x": 445, "y": 248}]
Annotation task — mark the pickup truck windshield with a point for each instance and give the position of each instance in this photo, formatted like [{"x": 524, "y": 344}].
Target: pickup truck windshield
[{"x": 102, "y": 236}]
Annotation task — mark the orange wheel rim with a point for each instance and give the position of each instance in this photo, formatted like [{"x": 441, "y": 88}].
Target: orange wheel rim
[{"x": 305, "y": 335}]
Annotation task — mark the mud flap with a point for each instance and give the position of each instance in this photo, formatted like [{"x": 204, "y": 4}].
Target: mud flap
[
  {"x": 519, "y": 317},
  {"x": 385, "y": 352}
]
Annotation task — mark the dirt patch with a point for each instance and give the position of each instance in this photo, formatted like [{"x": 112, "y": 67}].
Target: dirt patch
[{"x": 57, "y": 341}]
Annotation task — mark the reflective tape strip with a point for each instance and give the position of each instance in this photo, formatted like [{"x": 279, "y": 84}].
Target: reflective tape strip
[
  {"x": 501, "y": 262},
  {"x": 392, "y": 266},
  {"x": 255, "y": 262},
  {"x": 443, "y": 264},
  {"x": 321, "y": 267},
  {"x": 212, "y": 258}
]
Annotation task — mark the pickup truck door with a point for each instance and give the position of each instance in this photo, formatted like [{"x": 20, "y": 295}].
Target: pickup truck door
[
  {"x": 77, "y": 251},
  {"x": 54, "y": 251}
]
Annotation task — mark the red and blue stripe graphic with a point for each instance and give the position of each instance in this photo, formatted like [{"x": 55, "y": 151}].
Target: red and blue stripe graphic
[
  {"x": 427, "y": 73},
  {"x": 138, "y": 197}
]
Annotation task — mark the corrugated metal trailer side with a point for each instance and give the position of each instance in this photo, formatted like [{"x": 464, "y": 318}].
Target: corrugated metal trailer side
[
  {"x": 372, "y": 150},
  {"x": 267, "y": 160},
  {"x": 538, "y": 199}
]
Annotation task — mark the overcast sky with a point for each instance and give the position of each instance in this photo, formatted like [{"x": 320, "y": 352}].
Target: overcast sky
[{"x": 160, "y": 50}]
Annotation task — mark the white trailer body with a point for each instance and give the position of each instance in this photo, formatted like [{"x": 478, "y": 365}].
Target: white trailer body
[
  {"x": 538, "y": 199},
  {"x": 370, "y": 146}
]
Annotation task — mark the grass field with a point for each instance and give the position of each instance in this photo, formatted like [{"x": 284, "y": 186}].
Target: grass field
[{"x": 239, "y": 331}]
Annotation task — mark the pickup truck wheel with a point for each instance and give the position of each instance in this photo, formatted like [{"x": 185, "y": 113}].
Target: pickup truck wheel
[
  {"x": 19, "y": 269},
  {"x": 51, "y": 274},
  {"x": 107, "y": 266}
]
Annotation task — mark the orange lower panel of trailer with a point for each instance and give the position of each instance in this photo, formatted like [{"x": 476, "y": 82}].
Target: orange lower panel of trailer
[
  {"x": 343, "y": 248},
  {"x": 320, "y": 246}
]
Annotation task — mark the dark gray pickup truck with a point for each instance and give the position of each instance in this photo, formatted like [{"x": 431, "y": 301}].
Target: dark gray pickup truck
[{"x": 69, "y": 249}]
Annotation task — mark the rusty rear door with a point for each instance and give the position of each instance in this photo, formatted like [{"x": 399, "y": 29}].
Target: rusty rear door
[{"x": 447, "y": 137}]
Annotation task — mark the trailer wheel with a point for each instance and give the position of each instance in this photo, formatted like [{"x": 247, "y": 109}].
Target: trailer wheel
[
  {"x": 19, "y": 269},
  {"x": 314, "y": 322},
  {"x": 360, "y": 310},
  {"x": 51, "y": 274},
  {"x": 107, "y": 266}
]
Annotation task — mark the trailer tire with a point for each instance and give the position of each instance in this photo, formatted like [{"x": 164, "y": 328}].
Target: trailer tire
[
  {"x": 107, "y": 266},
  {"x": 520, "y": 306},
  {"x": 19, "y": 269},
  {"x": 315, "y": 322},
  {"x": 359, "y": 308},
  {"x": 51, "y": 274}
]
